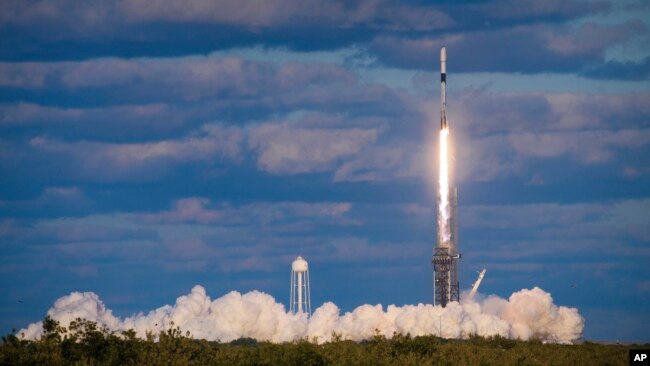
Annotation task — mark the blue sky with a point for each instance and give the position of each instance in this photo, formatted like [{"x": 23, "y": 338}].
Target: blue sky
[{"x": 146, "y": 147}]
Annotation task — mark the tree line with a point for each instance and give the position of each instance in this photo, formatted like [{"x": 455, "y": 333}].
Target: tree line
[{"x": 86, "y": 343}]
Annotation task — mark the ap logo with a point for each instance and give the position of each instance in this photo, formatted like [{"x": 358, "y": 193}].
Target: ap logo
[{"x": 639, "y": 357}]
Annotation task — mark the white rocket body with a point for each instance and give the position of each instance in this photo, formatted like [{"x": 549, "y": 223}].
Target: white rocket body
[{"x": 443, "y": 88}]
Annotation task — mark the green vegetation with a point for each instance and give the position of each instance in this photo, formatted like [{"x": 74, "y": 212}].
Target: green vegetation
[{"x": 86, "y": 343}]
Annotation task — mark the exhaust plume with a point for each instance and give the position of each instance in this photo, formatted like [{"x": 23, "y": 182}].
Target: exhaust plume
[
  {"x": 444, "y": 229},
  {"x": 526, "y": 314}
]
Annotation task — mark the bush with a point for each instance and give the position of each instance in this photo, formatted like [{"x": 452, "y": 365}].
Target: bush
[{"x": 86, "y": 343}]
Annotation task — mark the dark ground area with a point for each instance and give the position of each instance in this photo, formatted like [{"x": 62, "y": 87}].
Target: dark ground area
[{"x": 85, "y": 343}]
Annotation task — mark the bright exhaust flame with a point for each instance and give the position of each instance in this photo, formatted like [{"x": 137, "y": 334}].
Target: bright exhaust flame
[{"x": 444, "y": 231}]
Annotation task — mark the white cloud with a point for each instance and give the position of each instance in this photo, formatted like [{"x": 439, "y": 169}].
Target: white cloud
[
  {"x": 115, "y": 161},
  {"x": 383, "y": 163},
  {"x": 280, "y": 13},
  {"x": 191, "y": 209},
  {"x": 584, "y": 146},
  {"x": 526, "y": 314},
  {"x": 287, "y": 149},
  {"x": 199, "y": 210}
]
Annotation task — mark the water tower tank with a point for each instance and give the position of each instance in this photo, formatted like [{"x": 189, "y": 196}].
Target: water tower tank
[{"x": 299, "y": 265}]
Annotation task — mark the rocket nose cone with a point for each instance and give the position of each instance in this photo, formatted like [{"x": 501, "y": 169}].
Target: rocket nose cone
[{"x": 443, "y": 54}]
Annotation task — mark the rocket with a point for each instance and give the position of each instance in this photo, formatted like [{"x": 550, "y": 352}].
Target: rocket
[{"x": 443, "y": 88}]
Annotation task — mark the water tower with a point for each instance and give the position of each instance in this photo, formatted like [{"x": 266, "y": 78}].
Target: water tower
[{"x": 300, "y": 297}]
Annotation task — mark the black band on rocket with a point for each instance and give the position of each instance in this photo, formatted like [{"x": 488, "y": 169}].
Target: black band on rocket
[{"x": 443, "y": 78}]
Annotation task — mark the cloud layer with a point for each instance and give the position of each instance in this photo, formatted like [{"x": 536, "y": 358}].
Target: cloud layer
[
  {"x": 527, "y": 314},
  {"x": 548, "y": 35}
]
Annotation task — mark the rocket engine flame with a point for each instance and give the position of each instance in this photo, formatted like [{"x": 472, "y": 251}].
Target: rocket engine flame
[{"x": 444, "y": 229}]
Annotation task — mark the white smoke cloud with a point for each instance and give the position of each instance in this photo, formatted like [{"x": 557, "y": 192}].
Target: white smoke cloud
[{"x": 526, "y": 314}]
